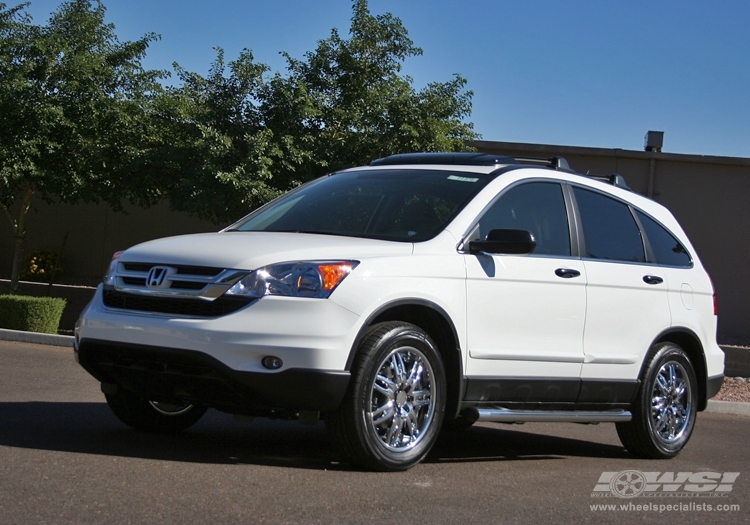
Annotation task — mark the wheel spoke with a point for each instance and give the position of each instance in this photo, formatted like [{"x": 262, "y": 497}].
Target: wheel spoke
[
  {"x": 661, "y": 422},
  {"x": 421, "y": 398},
  {"x": 389, "y": 390},
  {"x": 672, "y": 375},
  {"x": 662, "y": 383},
  {"x": 387, "y": 412},
  {"x": 394, "y": 431},
  {"x": 399, "y": 370},
  {"x": 415, "y": 375},
  {"x": 412, "y": 422}
]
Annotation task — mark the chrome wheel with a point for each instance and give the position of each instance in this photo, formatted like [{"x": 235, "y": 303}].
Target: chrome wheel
[
  {"x": 152, "y": 416},
  {"x": 401, "y": 408},
  {"x": 671, "y": 405},
  {"x": 392, "y": 411},
  {"x": 664, "y": 409},
  {"x": 169, "y": 409}
]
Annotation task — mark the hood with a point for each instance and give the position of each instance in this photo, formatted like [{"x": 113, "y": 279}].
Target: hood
[{"x": 251, "y": 250}]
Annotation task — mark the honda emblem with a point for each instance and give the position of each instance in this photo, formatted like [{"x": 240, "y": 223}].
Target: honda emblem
[{"x": 157, "y": 277}]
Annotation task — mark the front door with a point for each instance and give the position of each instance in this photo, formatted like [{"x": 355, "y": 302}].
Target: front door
[{"x": 526, "y": 313}]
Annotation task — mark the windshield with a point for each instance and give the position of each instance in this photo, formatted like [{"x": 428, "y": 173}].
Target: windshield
[{"x": 401, "y": 205}]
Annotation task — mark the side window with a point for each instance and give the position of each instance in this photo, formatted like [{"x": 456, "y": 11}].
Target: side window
[
  {"x": 609, "y": 229},
  {"x": 538, "y": 207},
  {"x": 667, "y": 250}
]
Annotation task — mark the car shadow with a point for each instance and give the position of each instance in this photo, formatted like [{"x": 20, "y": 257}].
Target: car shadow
[{"x": 90, "y": 428}]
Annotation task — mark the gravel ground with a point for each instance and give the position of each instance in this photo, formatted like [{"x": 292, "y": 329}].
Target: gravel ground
[{"x": 734, "y": 389}]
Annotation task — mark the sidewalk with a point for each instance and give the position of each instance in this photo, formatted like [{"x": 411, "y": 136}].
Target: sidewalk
[{"x": 716, "y": 407}]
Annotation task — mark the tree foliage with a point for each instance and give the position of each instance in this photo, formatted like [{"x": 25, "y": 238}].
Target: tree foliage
[
  {"x": 72, "y": 111},
  {"x": 354, "y": 105},
  {"x": 82, "y": 120},
  {"x": 240, "y": 137}
]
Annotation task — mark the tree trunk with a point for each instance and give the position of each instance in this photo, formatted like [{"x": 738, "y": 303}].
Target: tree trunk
[{"x": 20, "y": 235}]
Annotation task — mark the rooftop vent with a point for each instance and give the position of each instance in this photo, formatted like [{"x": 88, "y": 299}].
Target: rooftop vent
[{"x": 654, "y": 140}]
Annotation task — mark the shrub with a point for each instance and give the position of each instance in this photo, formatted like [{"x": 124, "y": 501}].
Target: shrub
[
  {"x": 42, "y": 266},
  {"x": 31, "y": 314}
]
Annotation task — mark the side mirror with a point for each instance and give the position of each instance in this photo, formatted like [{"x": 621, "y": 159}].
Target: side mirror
[{"x": 505, "y": 241}]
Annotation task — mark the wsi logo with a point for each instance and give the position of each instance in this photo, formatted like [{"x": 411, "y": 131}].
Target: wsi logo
[
  {"x": 157, "y": 277},
  {"x": 632, "y": 483}
]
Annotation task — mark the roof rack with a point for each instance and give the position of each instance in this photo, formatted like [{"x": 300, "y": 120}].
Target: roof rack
[
  {"x": 462, "y": 158},
  {"x": 557, "y": 163},
  {"x": 471, "y": 159},
  {"x": 615, "y": 180},
  {"x": 487, "y": 159}
]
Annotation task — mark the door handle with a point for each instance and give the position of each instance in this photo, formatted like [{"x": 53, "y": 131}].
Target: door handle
[
  {"x": 652, "y": 279},
  {"x": 567, "y": 273}
]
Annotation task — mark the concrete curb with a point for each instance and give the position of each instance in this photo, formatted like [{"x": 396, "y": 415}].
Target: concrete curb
[
  {"x": 729, "y": 407},
  {"x": 36, "y": 338}
]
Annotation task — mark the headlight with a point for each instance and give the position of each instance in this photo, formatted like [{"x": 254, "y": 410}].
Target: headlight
[
  {"x": 109, "y": 278},
  {"x": 294, "y": 279}
]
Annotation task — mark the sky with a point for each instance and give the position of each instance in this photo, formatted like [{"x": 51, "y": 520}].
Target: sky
[{"x": 591, "y": 73}]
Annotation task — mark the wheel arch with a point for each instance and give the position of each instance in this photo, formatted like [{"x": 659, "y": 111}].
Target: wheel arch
[
  {"x": 691, "y": 343},
  {"x": 434, "y": 320}
]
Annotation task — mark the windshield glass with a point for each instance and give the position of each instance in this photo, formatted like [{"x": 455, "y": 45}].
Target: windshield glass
[{"x": 401, "y": 205}]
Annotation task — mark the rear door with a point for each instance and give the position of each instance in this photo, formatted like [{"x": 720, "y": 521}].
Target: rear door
[{"x": 627, "y": 299}]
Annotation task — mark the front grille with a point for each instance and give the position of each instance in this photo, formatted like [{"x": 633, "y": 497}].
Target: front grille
[
  {"x": 187, "y": 285},
  {"x": 181, "y": 269},
  {"x": 177, "y": 305},
  {"x": 178, "y": 280}
]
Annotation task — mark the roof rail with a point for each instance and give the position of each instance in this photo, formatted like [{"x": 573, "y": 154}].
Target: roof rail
[
  {"x": 486, "y": 159},
  {"x": 615, "y": 179},
  {"x": 462, "y": 158},
  {"x": 471, "y": 159},
  {"x": 557, "y": 163}
]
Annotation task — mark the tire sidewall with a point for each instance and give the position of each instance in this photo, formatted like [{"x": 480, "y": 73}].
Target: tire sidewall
[{"x": 404, "y": 335}]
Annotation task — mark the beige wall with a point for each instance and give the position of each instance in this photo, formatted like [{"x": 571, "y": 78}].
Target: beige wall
[
  {"x": 95, "y": 232},
  {"x": 708, "y": 195}
]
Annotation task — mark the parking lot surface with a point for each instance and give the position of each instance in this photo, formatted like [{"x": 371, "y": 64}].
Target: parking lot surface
[{"x": 64, "y": 458}]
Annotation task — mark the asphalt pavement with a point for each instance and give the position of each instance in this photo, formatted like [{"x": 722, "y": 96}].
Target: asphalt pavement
[{"x": 64, "y": 458}]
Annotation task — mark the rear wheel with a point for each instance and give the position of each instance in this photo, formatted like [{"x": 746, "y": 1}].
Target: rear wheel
[
  {"x": 153, "y": 416},
  {"x": 665, "y": 409},
  {"x": 393, "y": 408}
]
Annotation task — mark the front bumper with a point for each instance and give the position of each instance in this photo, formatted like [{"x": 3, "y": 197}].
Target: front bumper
[
  {"x": 308, "y": 334},
  {"x": 167, "y": 374},
  {"x": 217, "y": 361}
]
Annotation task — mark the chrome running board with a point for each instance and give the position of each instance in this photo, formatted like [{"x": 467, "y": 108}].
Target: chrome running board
[{"x": 504, "y": 415}]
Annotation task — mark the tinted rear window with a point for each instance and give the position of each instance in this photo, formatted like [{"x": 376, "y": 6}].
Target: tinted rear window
[
  {"x": 609, "y": 229},
  {"x": 667, "y": 249}
]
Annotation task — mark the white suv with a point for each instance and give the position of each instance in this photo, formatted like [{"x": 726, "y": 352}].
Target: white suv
[{"x": 422, "y": 292}]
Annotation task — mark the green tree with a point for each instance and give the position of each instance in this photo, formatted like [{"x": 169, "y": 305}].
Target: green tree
[
  {"x": 347, "y": 102},
  {"x": 211, "y": 153},
  {"x": 236, "y": 138},
  {"x": 72, "y": 112}
]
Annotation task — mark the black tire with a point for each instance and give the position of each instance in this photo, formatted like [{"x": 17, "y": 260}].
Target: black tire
[
  {"x": 458, "y": 424},
  {"x": 398, "y": 364},
  {"x": 666, "y": 405},
  {"x": 151, "y": 416}
]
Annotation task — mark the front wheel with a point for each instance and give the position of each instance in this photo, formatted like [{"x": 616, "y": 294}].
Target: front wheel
[
  {"x": 393, "y": 408},
  {"x": 665, "y": 409},
  {"x": 153, "y": 416}
]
